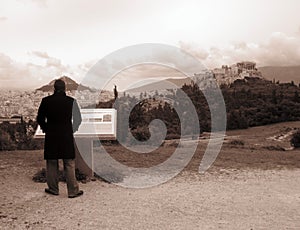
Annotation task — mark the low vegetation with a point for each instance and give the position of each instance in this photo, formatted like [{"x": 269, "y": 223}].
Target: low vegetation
[
  {"x": 295, "y": 141},
  {"x": 19, "y": 136},
  {"x": 249, "y": 102}
]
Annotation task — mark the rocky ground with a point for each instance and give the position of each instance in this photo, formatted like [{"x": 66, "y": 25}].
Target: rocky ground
[{"x": 254, "y": 184}]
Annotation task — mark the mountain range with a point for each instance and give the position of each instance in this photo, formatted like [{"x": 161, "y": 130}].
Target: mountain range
[
  {"x": 281, "y": 73},
  {"x": 159, "y": 85},
  {"x": 277, "y": 73}
]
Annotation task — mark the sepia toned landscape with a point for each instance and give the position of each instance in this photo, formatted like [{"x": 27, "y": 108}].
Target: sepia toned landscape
[
  {"x": 253, "y": 184},
  {"x": 188, "y": 114}
]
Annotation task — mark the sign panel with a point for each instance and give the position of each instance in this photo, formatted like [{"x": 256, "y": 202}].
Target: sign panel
[{"x": 96, "y": 123}]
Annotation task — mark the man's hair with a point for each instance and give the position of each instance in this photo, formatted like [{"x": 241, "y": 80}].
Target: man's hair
[{"x": 59, "y": 86}]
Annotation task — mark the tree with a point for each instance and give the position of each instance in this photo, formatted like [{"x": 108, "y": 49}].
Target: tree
[
  {"x": 296, "y": 97},
  {"x": 274, "y": 97},
  {"x": 115, "y": 92}
]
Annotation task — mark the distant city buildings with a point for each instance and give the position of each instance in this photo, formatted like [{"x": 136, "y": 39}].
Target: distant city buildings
[
  {"x": 11, "y": 120},
  {"x": 18, "y": 103},
  {"x": 25, "y": 104}
]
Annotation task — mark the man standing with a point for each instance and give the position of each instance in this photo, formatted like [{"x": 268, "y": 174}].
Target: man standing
[{"x": 59, "y": 117}]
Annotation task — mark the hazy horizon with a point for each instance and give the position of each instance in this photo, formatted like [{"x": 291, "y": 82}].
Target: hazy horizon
[
  {"x": 43, "y": 40},
  {"x": 137, "y": 83}
]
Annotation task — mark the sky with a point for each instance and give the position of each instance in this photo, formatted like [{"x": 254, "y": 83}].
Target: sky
[{"x": 44, "y": 39}]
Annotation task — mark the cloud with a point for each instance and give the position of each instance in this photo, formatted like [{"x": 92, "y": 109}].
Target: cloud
[
  {"x": 40, "y": 3},
  {"x": 194, "y": 49},
  {"x": 40, "y": 54},
  {"x": 2, "y": 19},
  {"x": 11, "y": 70},
  {"x": 50, "y": 61},
  {"x": 54, "y": 62},
  {"x": 280, "y": 50},
  {"x": 30, "y": 75},
  {"x": 87, "y": 65}
]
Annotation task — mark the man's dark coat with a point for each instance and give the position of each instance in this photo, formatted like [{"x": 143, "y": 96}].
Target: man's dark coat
[{"x": 59, "y": 116}]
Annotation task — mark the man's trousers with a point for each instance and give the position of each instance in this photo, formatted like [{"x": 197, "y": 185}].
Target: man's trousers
[{"x": 52, "y": 176}]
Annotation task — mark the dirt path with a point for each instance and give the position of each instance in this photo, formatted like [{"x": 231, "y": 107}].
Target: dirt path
[{"x": 219, "y": 199}]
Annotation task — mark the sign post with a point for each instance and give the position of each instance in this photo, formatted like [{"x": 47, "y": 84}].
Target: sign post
[
  {"x": 83, "y": 165},
  {"x": 97, "y": 124}
]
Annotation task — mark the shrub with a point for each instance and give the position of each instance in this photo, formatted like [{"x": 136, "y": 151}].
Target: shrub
[
  {"x": 295, "y": 141},
  {"x": 6, "y": 143},
  {"x": 172, "y": 136},
  {"x": 141, "y": 133},
  {"x": 40, "y": 176},
  {"x": 274, "y": 148},
  {"x": 237, "y": 142}
]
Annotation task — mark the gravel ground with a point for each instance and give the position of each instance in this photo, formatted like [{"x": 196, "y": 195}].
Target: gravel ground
[
  {"x": 253, "y": 184},
  {"x": 220, "y": 199}
]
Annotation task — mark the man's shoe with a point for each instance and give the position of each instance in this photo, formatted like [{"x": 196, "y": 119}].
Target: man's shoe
[
  {"x": 47, "y": 190},
  {"x": 80, "y": 192}
]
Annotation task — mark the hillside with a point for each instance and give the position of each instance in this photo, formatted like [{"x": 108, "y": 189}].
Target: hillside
[
  {"x": 70, "y": 85},
  {"x": 159, "y": 85},
  {"x": 281, "y": 73},
  {"x": 249, "y": 102}
]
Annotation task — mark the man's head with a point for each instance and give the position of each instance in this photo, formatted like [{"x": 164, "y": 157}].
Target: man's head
[{"x": 59, "y": 86}]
